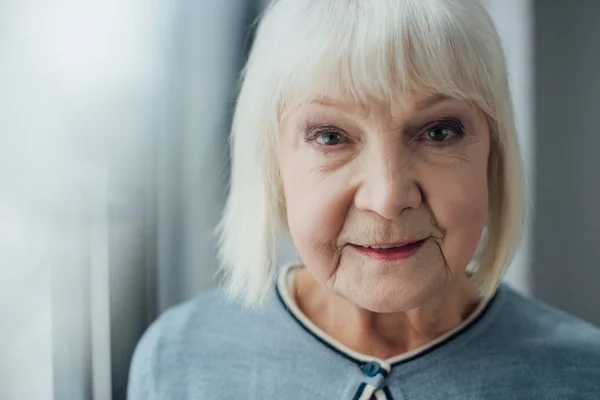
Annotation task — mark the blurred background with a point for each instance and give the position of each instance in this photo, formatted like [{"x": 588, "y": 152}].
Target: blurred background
[{"x": 114, "y": 118}]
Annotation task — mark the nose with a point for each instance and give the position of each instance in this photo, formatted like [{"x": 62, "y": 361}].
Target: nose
[{"x": 389, "y": 185}]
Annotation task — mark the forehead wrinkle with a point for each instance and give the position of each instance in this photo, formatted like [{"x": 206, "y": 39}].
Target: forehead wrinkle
[
  {"x": 403, "y": 108},
  {"x": 387, "y": 116},
  {"x": 349, "y": 107}
]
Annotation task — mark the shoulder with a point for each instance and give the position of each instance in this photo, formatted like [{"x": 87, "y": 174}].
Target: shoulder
[
  {"x": 542, "y": 325},
  {"x": 546, "y": 349},
  {"x": 180, "y": 338}
]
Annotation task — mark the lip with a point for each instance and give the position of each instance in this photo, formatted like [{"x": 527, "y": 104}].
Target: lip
[
  {"x": 393, "y": 243},
  {"x": 407, "y": 250}
]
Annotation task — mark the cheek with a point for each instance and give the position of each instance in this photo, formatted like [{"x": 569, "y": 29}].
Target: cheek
[
  {"x": 459, "y": 201},
  {"x": 316, "y": 204}
]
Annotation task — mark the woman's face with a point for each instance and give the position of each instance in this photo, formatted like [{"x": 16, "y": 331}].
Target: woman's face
[{"x": 411, "y": 175}]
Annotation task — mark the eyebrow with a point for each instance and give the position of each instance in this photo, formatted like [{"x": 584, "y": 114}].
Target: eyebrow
[
  {"x": 419, "y": 105},
  {"x": 431, "y": 101},
  {"x": 344, "y": 106}
]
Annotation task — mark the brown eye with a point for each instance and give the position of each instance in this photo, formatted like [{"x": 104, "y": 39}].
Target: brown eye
[
  {"x": 329, "y": 138},
  {"x": 440, "y": 133}
]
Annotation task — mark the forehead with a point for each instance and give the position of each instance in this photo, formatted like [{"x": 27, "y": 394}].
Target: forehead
[
  {"x": 403, "y": 105},
  {"x": 412, "y": 99}
]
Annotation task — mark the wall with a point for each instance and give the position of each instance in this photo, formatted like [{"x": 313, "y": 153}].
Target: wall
[
  {"x": 565, "y": 254},
  {"x": 514, "y": 22}
]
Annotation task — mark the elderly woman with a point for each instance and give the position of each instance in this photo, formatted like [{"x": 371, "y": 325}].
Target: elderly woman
[{"x": 378, "y": 136}]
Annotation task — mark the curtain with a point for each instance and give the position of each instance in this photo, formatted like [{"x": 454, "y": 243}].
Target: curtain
[
  {"x": 167, "y": 251},
  {"x": 113, "y": 168}
]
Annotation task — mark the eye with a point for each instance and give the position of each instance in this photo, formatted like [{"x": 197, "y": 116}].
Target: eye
[
  {"x": 443, "y": 132},
  {"x": 329, "y": 138},
  {"x": 326, "y": 136},
  {"x": 440, "y": 133}
]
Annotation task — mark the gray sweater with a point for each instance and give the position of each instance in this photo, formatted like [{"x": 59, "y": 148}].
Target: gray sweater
[{"x": 513, "y": 348}]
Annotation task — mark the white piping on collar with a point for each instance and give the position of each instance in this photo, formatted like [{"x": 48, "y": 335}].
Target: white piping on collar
[{"x": 285, "y": 283}]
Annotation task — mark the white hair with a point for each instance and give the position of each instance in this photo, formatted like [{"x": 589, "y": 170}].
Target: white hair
[{"x": 371, "y": 50}]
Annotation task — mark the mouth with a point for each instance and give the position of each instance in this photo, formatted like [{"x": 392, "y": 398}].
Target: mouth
[{"x": 390, "y": 251}]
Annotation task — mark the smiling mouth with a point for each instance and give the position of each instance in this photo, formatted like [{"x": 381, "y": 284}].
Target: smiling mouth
[{"x": 390, "y": 252}]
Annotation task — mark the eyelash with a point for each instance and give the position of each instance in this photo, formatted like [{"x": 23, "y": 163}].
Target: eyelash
[
  {"x": 316, "y": 131},
  {"x": 453, "y": 124}
]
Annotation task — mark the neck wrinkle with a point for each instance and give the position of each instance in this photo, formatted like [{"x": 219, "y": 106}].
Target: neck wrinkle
[{"x": 383, "y": 335}]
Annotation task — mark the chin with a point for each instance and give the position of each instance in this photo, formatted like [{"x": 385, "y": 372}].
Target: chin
[{"x": 396, "y": 295}]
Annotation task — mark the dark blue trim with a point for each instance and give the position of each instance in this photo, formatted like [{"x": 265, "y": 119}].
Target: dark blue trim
[
  {"x": 361, "y": 363},
  {"x": 341, "y": 353},
  {"x": 388, "y": 395},
  {"x": 452, "y": 337},
  {"x": 359, "y": 391}
]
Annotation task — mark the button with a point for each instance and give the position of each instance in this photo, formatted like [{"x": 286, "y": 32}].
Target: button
[{"x": 371, "y": 368}]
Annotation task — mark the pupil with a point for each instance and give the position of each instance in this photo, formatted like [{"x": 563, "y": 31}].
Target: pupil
[
  {"x": 330, "y": 138},
  {"x": 438, "y": 133}
]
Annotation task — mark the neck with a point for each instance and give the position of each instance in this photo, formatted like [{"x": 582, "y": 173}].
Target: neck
[{"x": 384, "y": 335}]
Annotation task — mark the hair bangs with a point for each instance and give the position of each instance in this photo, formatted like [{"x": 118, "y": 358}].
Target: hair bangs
[{"x": 363, "y": 53}]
